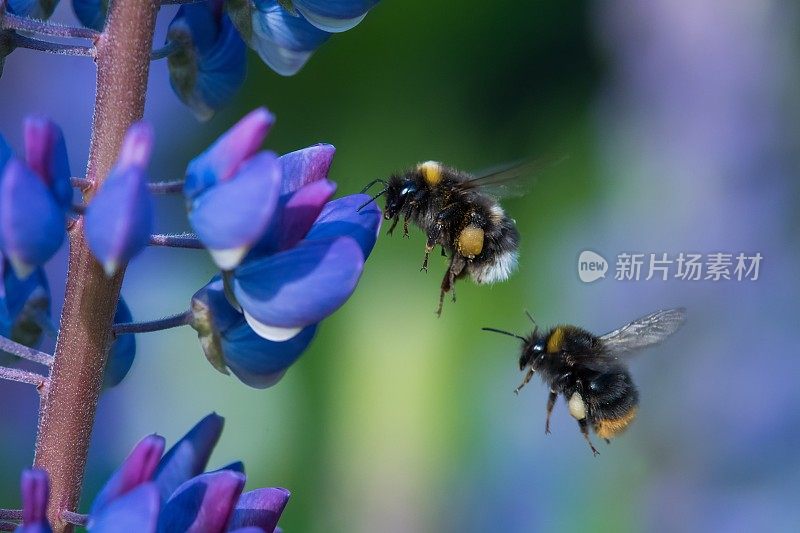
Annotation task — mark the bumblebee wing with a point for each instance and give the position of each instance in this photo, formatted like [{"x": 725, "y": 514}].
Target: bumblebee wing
[
  {"x": 625, "y": 341},
  {"x": 644, "y": 332},
  {"x": 507, "y": 181}
]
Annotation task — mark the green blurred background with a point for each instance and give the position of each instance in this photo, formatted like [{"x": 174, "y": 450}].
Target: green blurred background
[{"x": 395, "y": 420}]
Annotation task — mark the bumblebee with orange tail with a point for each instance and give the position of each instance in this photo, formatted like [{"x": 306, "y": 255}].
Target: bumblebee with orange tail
[
  {"x": 461, "y": 213},
  {"x": 590, "y": 371}
]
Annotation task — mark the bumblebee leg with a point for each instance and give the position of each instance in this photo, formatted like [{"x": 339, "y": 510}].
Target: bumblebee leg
[
  {"x": 405, "y": 228},
  {"x": 525, "y": 380},
  {"x": 551, "y": 402},
  {"x": 585, "y": 430},
  {"x": 394, "y": 224},
  {"x": 447, "y": 286},
  {"x": 429, "y": 245},
  {"x": 607, "y": 441}
]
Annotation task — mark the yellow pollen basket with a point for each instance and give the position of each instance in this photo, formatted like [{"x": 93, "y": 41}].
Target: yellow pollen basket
[
  {"x": 431, "y": 172},
  {"x": 470, "y": 241}
]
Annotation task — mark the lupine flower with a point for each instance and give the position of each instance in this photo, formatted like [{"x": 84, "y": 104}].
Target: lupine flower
[
  {"x": 24, "y": 305},
  {"x": 34, "y": 197},
  {"x": 46, "y": 155},
  {"x": 91, "y": 13},
  {"x": 230, "y": 343},
  {"x": 151, "y": 493},
  {"x": 230, "y": 174},
  {"x": 38, "y": 9},
  {"x": 290, "y": 262},
  {"x": 119, "y": 219},
  {"x": 315, "y": 275},
  {"x": 122, "y": 350},
  {"x": 35, "y": 490},
  {"x": 32, "y": 223},
  {"x": 285, "y": 33},
  {"x": 210, "y": 65}
]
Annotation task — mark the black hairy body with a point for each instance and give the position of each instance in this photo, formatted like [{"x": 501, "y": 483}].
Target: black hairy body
[
  {"x": 456, "y": 213},
  {"x": 589, "y": 371}
]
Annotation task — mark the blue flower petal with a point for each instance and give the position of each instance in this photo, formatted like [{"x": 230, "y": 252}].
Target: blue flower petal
[
  {"x": 230, "y": 217},
  {"x": 91, "y": 13},
  {"x": 259, "y": 362},
  {"x": 203, "y": 504},
  {"x": 119, "y": 219},
  {"x": 122, "y": 351},
  {"x": 300, "y": 286},
  {"x": 283, "y": 41},
  {"x": 189, "y": 456},
  {"x": 32, "y": 225},
  {"x": 261, "y": 508},
  {"x": 334, "y": 15},
  {"x": 35, "y": 493},
  {"x": 211, "y": 66},
  {"x": 135, "y": 470},
  {"x": 340, "y": 217},
  {"x": 135, "y": 511},
  {"x": 24, "y": 305},
  {"x": 46, "y": 155},
  {"x": 222, "y": 159}
]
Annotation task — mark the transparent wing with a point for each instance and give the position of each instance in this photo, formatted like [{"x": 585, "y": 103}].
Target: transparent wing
[
  {"x": 641, "y": 333},
  {"x": 644, "y": 332},
  {"x": 508, "y": 180}
]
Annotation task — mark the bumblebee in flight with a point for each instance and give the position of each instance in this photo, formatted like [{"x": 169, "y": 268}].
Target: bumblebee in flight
[
  {"x": 461, "y": 213},
  {"x": 590, "y": 371}
]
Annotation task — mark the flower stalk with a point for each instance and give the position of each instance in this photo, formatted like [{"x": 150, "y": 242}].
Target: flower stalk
[
  {"x": 11, "y": 21},
  {"x": 68, "y": 408},
  {"x": 172, "y": 321},
  {"x": 178, "y": 240},
  {"x": 22, "y": 376},
  {"x": 20, "y": 350}
]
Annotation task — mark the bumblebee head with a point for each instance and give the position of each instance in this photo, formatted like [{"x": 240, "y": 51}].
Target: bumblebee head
[
  {"x": 534, "y": 349},
  {"x": 398, "y": 191}
]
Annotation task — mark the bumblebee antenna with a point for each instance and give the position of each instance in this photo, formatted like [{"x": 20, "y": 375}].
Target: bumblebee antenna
[
  {"x": 530, "y": 317},
  {"x": 365, "y": 204},
  {"x": 505, "y": 333},
  {"x": 373, "y": 182}
]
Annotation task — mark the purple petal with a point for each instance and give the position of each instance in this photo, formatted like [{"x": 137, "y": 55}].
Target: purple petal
[
  {"x": 340, "y": 217},
  {"x": 236, "y": 466},
  {"x": 135, "y": 470},
  {"x": 247, "y": 530},
  {"x": 221, "y": 160},
  {"x": 258, "y": 362},
  {"x": 294, "y": 216},
  {"x": 136, "y": 147},
  {"x": 301, "y": 286},
  {"x": 334, "y": 15},
  {"x": 261, "y": 508},
  {"x": 32, "y": 224},
  {"x": 46, "y": 155},
  {"x": 119, "y": 219},
  {"x": 122, "y": 352},
  {"x": 305, "y": 166},
  {"x": 230, "y": 217},
  {"x": 189, "y": 456},
  {"x": 5, "y": 151},
  {"x": 135, "y": 511},
  {"x": 35, "y": 493},
  {"x": 203, "y": 504}
]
